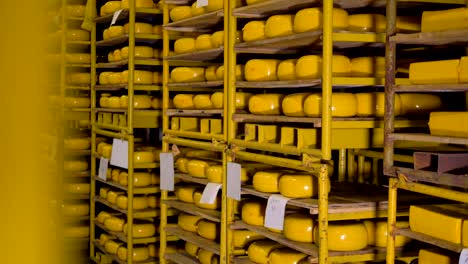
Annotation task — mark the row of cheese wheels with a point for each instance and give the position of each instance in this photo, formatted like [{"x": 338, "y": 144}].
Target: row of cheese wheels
[
  {"x": 75, "y": 10},
  {"x": 111, "y": 6},
  {"x": 139, "y": 77},
  {"x": 442, "y": 20},
  {"x": 75, "y": 209},
  {"x": 140, "y": 52},
  {"x": 75, "y": 165},
  {"x": 191, "y": 194},
  {"x": 140, "y": 28},
  {"x": 139, "y": 101},
  {"x": 76, "y": 231},
  {"x": 342, "y": 235},
  {"x": 78, "y": 78},
  {"x": 121, "y": 201},
  {"x": 207, "y": 101},
  {"x": 78, "y": 58},
  {"x": 77, "y": 143},
  {"x": 439, "y": 72},
  {"x": 311, "y": 19},
  {"x": 178, "y": 13},
  {"x": 196, "y": 224},
  {"x": 203, "y": 256},
  {"x": 201, "y": 42},
  {"x": 72, "y": 34},
  {"x": 77, "y": 102},
  {"x": 77, "y": 188},
  {"x": 142, "y": 154},
  {"x": 140, "y": 179},
  {"x": 199, "y": 74},
  {"x": 141, "y": 228}
]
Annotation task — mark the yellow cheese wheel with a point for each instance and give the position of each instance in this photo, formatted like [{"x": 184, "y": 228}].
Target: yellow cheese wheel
[
  {"x": 78, "y": 58},
  {"x": 110, "y": 7},
  {"x": 78, "y": 35},
  {"x": 309, "y": 67},
  {"x": 139, "y": 253},
  {"x": 203, "y": 42},
  {"x": 309, "y": 19},
  {"x": 408, "y": 24},
  {"x": 299, "y": 227},
  {"x": 153, "y": 201},
  {"x": 112, "y": 196},
  {"x": 180, "y": 13},
  {"x": 188, "y": 222},
  {"x": 242, "y": 100},
  {"x": 140, "y": 52},
  {"x": 102, "y": 216},
  {"x": 143, "y": 157},
  {"x": 141, "y": 101},
  {"x": 287, "y": 70},
  {"x": 343, "y": 105},
  {"x": 287, "y": 255},
  {"x": 155, "y": 179},
  {"x": 184, "y": 101},
  {"x": 79, "y": 78},
  {"x": 105, "y": 34},
  {"x": 115, "y": 78},
  {"x": 112, "y": 246},
  {"x": 103, "y": 238},
  {"x": 196, "y": 11},
  {"x": 115, "y": 174},
  {"x": 265, "y": 104},
  {"x": 413, "y": 104},
  {"x": 279, "y": 25},
  {"x": 117, "y": 55},
  {"x": 242, "y": 238},
  {"x": 75, "y": 209},
  {"x": 434, "y": 72},
  {"x": 77, "y": 188},
  {"x": 114, "y": 223},
  {"x": 367, "y": 23},
  {"x": 77, "y": 102},
  {"x": 261, "y": 70},
  {"x": 253, "y": 213},
  {"x": 181, "y": 164},
  {"x": 139, "y": 202},
  {"x": 267, "y": 181},
  {"x": 298, "y": 185},
  {"x": 75, "y": 165},
  {"x": 184, "y": 45},
  {"x": 115, "y": 31},
  {"x": 207, "y": 257},
  {"x": 110, "y": 56},
  {"x": 254, "y": 30},
  {"x": 372, "y": 104},
  {"x": 430, "y": 256},
  {"x": 377, "y": 233},
  {"x": 138, "y": 3},
  {"x": 341, "y": 66},
  {"x": 197, "y": 168},
  {"x": 197, "y": 197},
  {"x": 104, "y": 78},
  {"x": 259, "y": 251},
  {"x": 191, "y": 249},
  {"x": 76, "y": 231},
  {"x": 293, "y": 104},
  {"x": 75, "y": 10},
  {"x": 157, "y": 77},
  {"x": 157, "y": 54},
  {"x": 202, "y": 101},
  {"x": 140, "y": 28},
  {"x": 217, "y": 39},
  {"x": 214, "y": 5},
  {"x": 239, "y": 72},
  {"x": 188, "y": 74},
  {"x": 77, "y": 143},
  {"x": 185, "y": 193},
  {"x": 345, "y": 236},
  {"x": 449, "y": 124},
  {"x": 141, "y": 179},
  {"x": 140, "y": 77},
  {"x": 209, "y": 230},
  {"x": 215, "y": 173},
  {"x": 210, "y": 73},
  {"x": 142, "y": 230},
  {"x": 463, "y": 70},
  {"x": 442, "y": 20},
  {"x": 251, "y": 2},
  {"x": 368, "y": 67},
  {"x": 103, "y": 191}
]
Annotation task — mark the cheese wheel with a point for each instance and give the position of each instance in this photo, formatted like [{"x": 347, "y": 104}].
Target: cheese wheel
[
  {"x": 115, "y": 78},
  {"x": 261, "y": 70},
  {"x": 77, "y": 188},
  {"x": 202, "y": 101},
  {"x": 110, "y": 7},
  {"x": 112, "y": 196},
  {"x": 299, "y": 227},
  {"x": 197, "y": 168},
  {"x": 463, "y": 70},
  {"x": 185, "y": 193},
  {"x": 377, "y": 233},
  {"x": 188, "y": 222},
  {"x": 367, "y": 23},
  {"x": 115, "y": 31},
  {"x": 279, "y": 25},
  {"x": 155, "y": 179},
  {"x": 215, "y": 173},
  {"x": 141, "y": 101},
  {"x": 372, "y": 104},
  {"x": 309, "y": 19},
  {"x": 414, "y": 104},
  {"x": 139, "y": 253},
  {"x": 139, "y": 202},
  {"x": 181, "y": 164},
  {"x": 157, "y": 54},
  {"x": 103, "y": 238},
  {"x": 196, "y": 11},
  {"x": 287, "y": 255},
  {"x": 197, "y": 197},
  {"x": 210, "y": 73},
  {"x": 242, "y": 238},
  {"x": 143, "y": 157},
  {"x": 76, "y": 231},
  {"x": 434, "y": 72},
  {"x": 153, "y": 251},
  {"x": 103, "y": 191},
  {"x": 239, "y": 72},
  {"x": 180, "y": 13},
  {"x": 264, "y": 181},
  {"x": 217, "y": 39},
  {"x": 140, "y": 28},
  {"x": 254, "y": 30},
  {"x": 449, "y": 124},
  {"x": 188, "y": 74},
  {"x": 102, "y": 216},
  {"x": 242, "y": 100},
  {"x": 115, "y": 174},
  {"x": 345, "y": 236},
  {"x": 265, "y": 104},
  {"x": 142, "y": 230},
  {"x": 184, "y": 45},
  {"x": 77, "y": 102},
  {"x": 207, "y": 257},
  {"x": 114, "y": 223},
  {"x": 141, "y": 179},
  {"x": 203, "y": 42},
  {"x": 251, "y": 2},
  {"x": 112, "y": 246},
  {"x": 287, "y": 70},
  {"x": 79, "y": 78},
  {"x": 343, "y": 105},
  {"x": 78, "y": 57},
  {"x": 141, "y": 77},
  {"x": 153, "y": 201},
  {"x": 341, "y": 66},
  {"x": 368, "y": 67},
  {"x": 309, "y": 67},
  {"x": 442, "y": 20},
  {"x": 107, "y": 150},
  {"x": 138, "y": 4},
  {"x": 77, "y": 143},
  {"x": 253, "y": 213},
  {"x": 110, "y": 56},
  {"x": 157, "y": 77},
  {"x": 117, "y": 55},
  {"x": 75, "y": 10},
  {"x": 75, "y": 209},
  {"x": 298, "y": 185},
  {"x": 430, "y": 256},
  {"x": 75, "y": 165},
  {"x": 293, "y": 104},
  {"x": 214, "y": 5},
  {"x": 104, "y": 78},
  {"x": 140, "y": 52},
  {"x": 259, "y": 251},
  {"x": 184, "y": 101},
  {"x": 78, "y": 35},
  {"x": 191, "y": 249},
  {"x": 209, "y": 230}
]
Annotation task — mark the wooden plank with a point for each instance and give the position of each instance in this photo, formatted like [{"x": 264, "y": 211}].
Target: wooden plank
[
  {"x": 196, "y": 84},
  {"x": 202, "y": 55},
  {"x": 136, "y": 87},
  {"x": 428, "y": 239},
  {"x": 193, "y": 238},
  {"x": 458, "y": 36},
  {"x": 197, "y": 23},
  {"x": 181, "y": 258},
  {"x": 242, "y": 260},
  {"x": 428, "y": 138},
  {"x": 186, "y": 177},
  {"x": 195, "y": 112},
  {"x": 138, "y": 61},
  {"x": 441, "y": 162},
  {"x": 434, "y": 177},
  {"x": 279, "y": 84},
  {"x": 275, "y": 119},
  {"x": 211, "y": 215},
  {"x": 139, "y": 13},
  {"x": 463, "y": 87},
  {"x": 293, "y": 41}
]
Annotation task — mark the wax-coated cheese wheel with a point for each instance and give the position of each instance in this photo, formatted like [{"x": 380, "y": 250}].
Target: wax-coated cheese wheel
[
  {"x": 197, "y": 200},
  {"x": 188, "y": 74},
  {"x": 143, "y": 157},
  {"x": 341, "y": 66},
  {"x": 261, "y": 70},
  {"x": 432, "y": 256},
  {"x": 141, "y": 179},
  {"x": 253, "y": 213},
  {"x": 279, "y": 25},
  {"x": 267, "y": 181},
  {"x": 75, "y": 209},
  {"x": 343, "y": 105},
  {"x": 77, "y": 188},
  {"x": 138, "y": 3},
  {"x": 209, "y": 230},
  {"x": 140, "y": 253},
  {"x": 259, "y": 251},
  {"x": 345, "y": 236},
  {"x": 184, "y": 45},
  {"x": 139, "y": 202},
  {"x": 367, "y": 23},
  {"x": 102, "y": 216},
  {"x": 444, "y": 20},
  {"x": 153, "y": 201},
  {"x": 242, "y": 100},
  {"x": 299, "y": 227},
  {"x": 103, "y": 238},
  {"x": 202, "y": 101},
  {"x": 78, "y": 35},
  {"x": 242, "y": 238},
  {"x": 185, "y": 193},
  {"x": 203, "y": 42},
  {"x": 298, "y": 185},
  {"x": 377, "y": 233},
  {"x": 140, "y": 28},
  {"x": 463, "y": 70},
  {"x": 196, "y": 11},
  {"x": 142, "y": 230},
  {"x": 184, "y": 101},
  {"x": 197, "y": 168},
  {"x": 217, "y": 39},
  {"x": 309, "y": 67},
  {"x": 75, "y": 165},
  {"x": 434, "y": 72},
  {"x": 79, "y": 78},
  {"x": 75, "y": 10},
  {"x": 265, "y": 104},
  {"x": 115, "y": 77},
  {"x": 78, "y": 58},
  {"x": 207, "y": 257},
  {"x": 115, "y": 31},
  {"x": 189, "y": 222},
  {"x": 114, "y": 223},
  {"x": 77, "y": 102},
  {"x": 191, "y": 249},
  {"x": 104, "y": 78},
  {"x": 112, "y": 196},
  {"x": 141, "y": 101},
  {"x": 254, "y": 30},
  {"x": 103, "y": 191},
  {"x": 180, "y": 13},
  {"x": 110, "y": 7},
  {"x": 287, "y": 70},
  {"x": 287, "y": 255},
  {"x": 139, "y": 77},
  {"x": 210, "y": 73},
  {"x": 239, "y": 72},
  {"x": 181, "y": 164},
  {"x": 215, "y": 173},
  {"x": 368, "y": 67},
  {"x": 77, "y": 143},
  {"x": 76, "y": 231},
  {"x": 140, "y": 52},
  {"x": 413, "y": 104},
  {"x": 309, "y": 19},
  {"x": 117, "y": 55},
  {"x": 372, "y": 104},
  {"x": 157, "y": 77},
  {"x": 112, "y": 246},
  {"x": 107, "y": 150},
  {"x": 293, "y": 104},
  {"x": 449, "y": 124}
]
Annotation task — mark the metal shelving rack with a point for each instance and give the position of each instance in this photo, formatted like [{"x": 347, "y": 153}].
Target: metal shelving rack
[
  {"x": 442, "y": 185},
  {"x": 135, "y": 120}
]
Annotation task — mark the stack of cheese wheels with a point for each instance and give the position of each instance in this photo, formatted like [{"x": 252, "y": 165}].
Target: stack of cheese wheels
[
  {"x": 189, "y": 222},
  {"x": 140, "y": 253},
  {"x": 259, "y": 251},
  {"x": 139, "y": 101},
  {"x": 439, "y": 72},
  {"x": 140, "y": 77}
]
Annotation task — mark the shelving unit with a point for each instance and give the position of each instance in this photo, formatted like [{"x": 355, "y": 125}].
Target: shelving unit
[
  {"x": 437, "y": 184},
  {"x": 130, "y": 119}
]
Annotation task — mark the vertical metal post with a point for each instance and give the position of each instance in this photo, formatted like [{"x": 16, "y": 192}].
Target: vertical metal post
[
  {"x": 327, "y": 61},
  {"x": 391, "y": 222},
  {"x": 324, "y": 185},
  {"x": 361, "y": 165},
  {"x": 342, "y": 165},
  {"x": 375, "y": 171},
  {"x": 351, "y": 166}
]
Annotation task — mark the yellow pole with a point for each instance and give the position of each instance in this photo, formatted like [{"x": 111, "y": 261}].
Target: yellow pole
[
  {"x": 130, "y": 200},
  {"x": 375, "y": 171},
  {"x": 342, "y": 165},
  {"x": 327, "y": 78},
  {"x": 351, "y": 166},
  {"x": 324, "y": 184},
  {"x": 361, "y": 164},
  {"x": 391, "y": 222}
]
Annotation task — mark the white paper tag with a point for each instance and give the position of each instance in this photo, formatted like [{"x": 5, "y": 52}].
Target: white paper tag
[
  {"x": 166, "y": 171},
  {"x": 103, "y": 166},
  {"x": 463, "y": 256},
  {"x": 274, "y": 214},
  {"x": 234, "y": 180},
  {"x": 202, "y": 3},
  {"x": 119, "y": 154},
  {"x": 116, "y": 16},
  {"x": 210, "y": 192}
]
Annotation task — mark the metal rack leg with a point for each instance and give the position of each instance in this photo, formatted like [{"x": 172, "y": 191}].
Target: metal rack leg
[{"x": 391, "y": 222}]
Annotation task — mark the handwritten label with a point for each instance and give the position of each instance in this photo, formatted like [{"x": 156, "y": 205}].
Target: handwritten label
[
  {"x": 116, "y": 16},
  {"x": 234, "y": 180},
  {"x": 103, "y": 166},
  {"x": 463, "y": 256},
  {"x": 119, "y": 156},
  {"x": 274, "y": 214},
  {"x": 166, "y": 171},
  {"x": 202, "y": 3},
  {"x": 210, "y": 192}
]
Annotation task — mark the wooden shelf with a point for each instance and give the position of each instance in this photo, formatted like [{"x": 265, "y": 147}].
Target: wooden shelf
[
  {"x": 201, "y": 23},
  {"x": 137, "y": 61},
  {"x": 211, "y": 215},
  {"x": 136, "y": 87},
  {"x": 136, "y": 190},
  {"x": 116, "y": 259},
  {"x": 140, "y": 38},
  {"x": 193, "y": 238},
  {"x": 194, "y": 135},
  {"x": 194, "y": 112},
  {"x": 72, "y": 196},
  {"x": 203, "y": 55},
  {"x": 123, "y": 237},
  {"x": 181, "y": 258},
  {"x": 459, "y": 36},
  {"x": 337, "y": 82},
  {"x": 141, "y": 13},
  {"x": 150, "y": 212},
  {"x": 78, "y": 65},
  {"x": 197, "y": 84},
  {"x": 77, "y": 87},
  {"x": 242, "y": 260},
  {"x": 446, "y": 179},
  {"x": 188, "y": 178},
  {"x": 280, "y": 84},
  {"x": 125, "y": 110},
  {"x": 428, "y": 239},
  {"x": 463, "y": 87},
  {"x": 428, "y": 138}
]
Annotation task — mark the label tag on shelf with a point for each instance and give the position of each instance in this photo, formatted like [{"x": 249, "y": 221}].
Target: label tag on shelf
[
  {"x": 234, "y": 180},
  {"x": 103, "y": 166},
  {"x": 210, "y": 192},
  {"x": 274, "y": 214},
  {"x": 175, "y": 150},
  {"x": 166, "y": 171},
  {"x": 116, "y": 16},
  {"x": 463, "y": 256},
  {"x": 202, "y": 3},
  {"x": 119, "y": 154}
]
